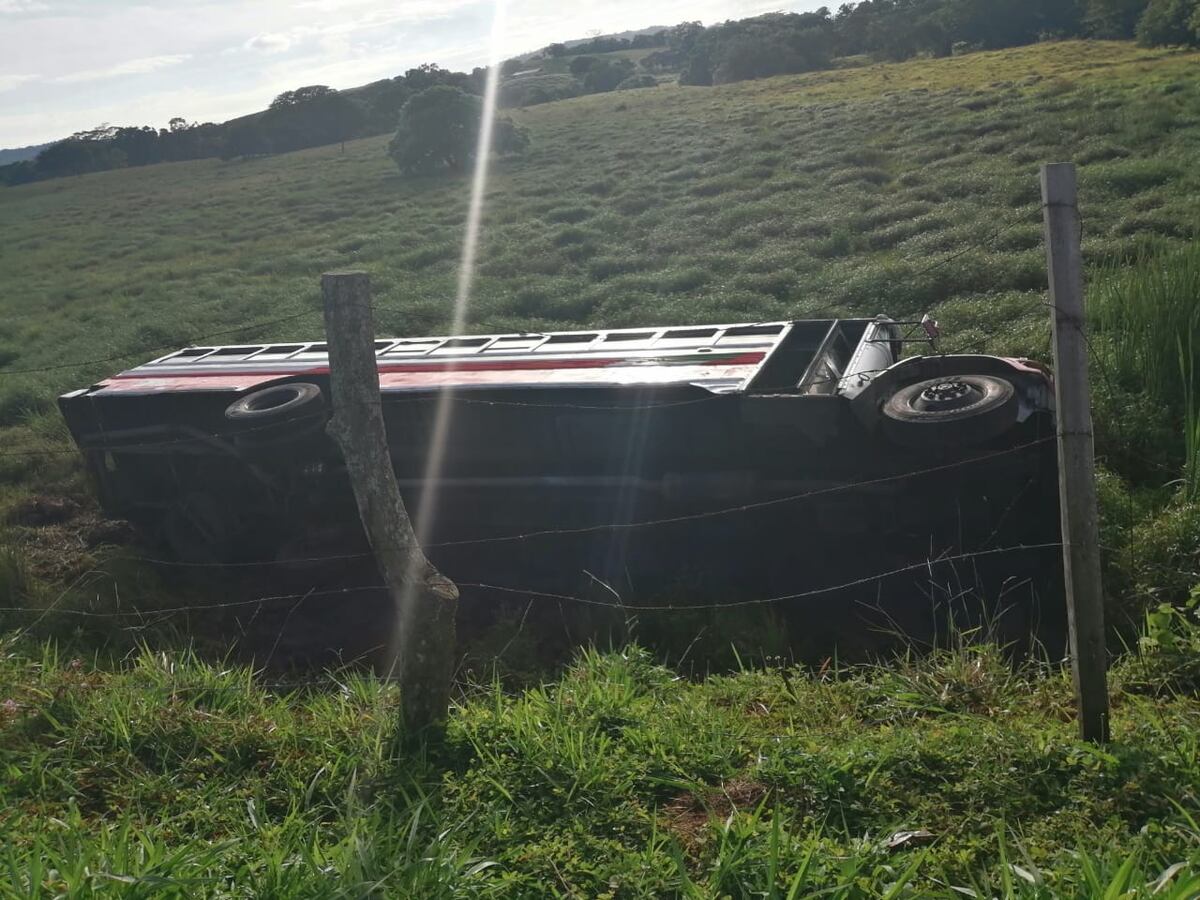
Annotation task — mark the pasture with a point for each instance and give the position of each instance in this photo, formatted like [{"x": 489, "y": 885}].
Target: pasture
[{"x": 132, "y": 768}]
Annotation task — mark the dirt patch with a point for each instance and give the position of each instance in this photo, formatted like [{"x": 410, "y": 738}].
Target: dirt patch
[{"x": 689, "y": 815}]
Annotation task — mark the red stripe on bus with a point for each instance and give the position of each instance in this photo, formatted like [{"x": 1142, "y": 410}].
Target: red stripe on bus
[{"x": 742, "y": 359}]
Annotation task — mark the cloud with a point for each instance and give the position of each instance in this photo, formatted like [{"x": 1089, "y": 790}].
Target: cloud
[
  {"x": 130, "y": 67},
  {"x": 371, "y": 19},
  {"x": 270, "y": 43},
  {"x": 239, "y": 54},
  {"x": 22, "y": 6},
  {"x": 9, "y": 82}
]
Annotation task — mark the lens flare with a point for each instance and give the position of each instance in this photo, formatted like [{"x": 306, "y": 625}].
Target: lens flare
[{"x": 426, "y": 510}]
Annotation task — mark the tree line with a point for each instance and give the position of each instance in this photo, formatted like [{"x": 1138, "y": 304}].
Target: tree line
[
  {"x": 894, "y": 30},
  {"x": 772, "y": 44},
  {"x": 310, "y": 116}
]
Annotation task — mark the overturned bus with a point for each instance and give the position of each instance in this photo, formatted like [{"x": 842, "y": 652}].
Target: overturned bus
[{"x": 758, "y": 459}]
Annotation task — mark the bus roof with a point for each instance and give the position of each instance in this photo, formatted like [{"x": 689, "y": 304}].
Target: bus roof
[{"x": 719, "y": 358}]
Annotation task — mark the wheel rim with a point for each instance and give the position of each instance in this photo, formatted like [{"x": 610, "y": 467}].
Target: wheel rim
[{"x": 947, "y": 395}]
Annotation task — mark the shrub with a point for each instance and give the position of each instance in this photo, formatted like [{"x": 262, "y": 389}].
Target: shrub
[
  {"x": 1167, "y": 661},
  {"x": 530, "y": 90},
  {"x": 439, "y": 129},
  {"x": 638, "y": 81},
  {"x": 606, "y": 75}
]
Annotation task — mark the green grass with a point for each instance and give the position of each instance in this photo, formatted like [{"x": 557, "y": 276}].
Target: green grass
[
  {"x": 902, "y": 189},
  {"x": 840, "y": 194},
  {"x": 1145, "y": 314},
  {"x": 166, "y": 776}
]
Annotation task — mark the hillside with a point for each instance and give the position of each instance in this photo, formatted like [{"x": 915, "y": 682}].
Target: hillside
[
  {"x": 17, "y": 154},
  {"x": 904, "y": 188},
  {"x": 781, "y": 197}
]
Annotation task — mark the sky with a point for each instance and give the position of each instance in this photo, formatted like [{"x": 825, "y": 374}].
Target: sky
[{"x": 69, "y": 65}]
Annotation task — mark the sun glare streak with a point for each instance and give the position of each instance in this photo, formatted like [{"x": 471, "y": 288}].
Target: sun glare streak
[
  {"x": 427, "y": 505},
  {"x": 483, "y": 153}
]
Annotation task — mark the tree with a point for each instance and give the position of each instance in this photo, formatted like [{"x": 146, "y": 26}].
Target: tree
[
  {"x": 771, "y": 44},
  {"x": 1168, "y": 22},
  {"x": 431, "y": 74},
  {"x": 140, "y": 145},
  {"x": 638, "y": 81},
  {"x": 1112, "y": 18},
  {"x": 697, "y": 70},
  {"x": 605, "y": 75},
  {"x": 439, "y": 129},
  {"x": 247, "y": 137},
  {"x": 102, "y": 132},
  {"x": 16, "y": 173},
  {"x": 302, "y": 95},
  {"x": 581, "y": 65},
  {"x": 385, "y": 102},
  {"x": 646, "y": 41},
  {"x": 77, "y": 155},
  {"x": 190, "y": 140},
  {"x": 323, "y": 118},
  {"x": 661, "y": 61},
  {"x": 339, "y": 118},
  {"x": 684, "y": 36},
  {"x": 557, "y": 50},
  {"x": 85, "y": 151}
]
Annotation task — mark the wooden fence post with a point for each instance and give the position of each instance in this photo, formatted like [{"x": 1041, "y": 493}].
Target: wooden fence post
[
  {"x": 421, "y": 646},
  {"x": 1076, "y": 466}
]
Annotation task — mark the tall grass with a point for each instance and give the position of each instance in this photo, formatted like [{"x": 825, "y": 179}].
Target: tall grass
[
  {"x": 1144, "y": 317},
  {"x": 1191, "y": 418},
  {"x": 16, "y": 583},
  {"x": 1144, "y": 314}
]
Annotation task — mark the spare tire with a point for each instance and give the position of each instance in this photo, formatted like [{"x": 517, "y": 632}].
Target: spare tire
[
  {"x": 277, "y": 403},
  {"x": 277, "y": 414},
  {"x": 957, "y": 409}
]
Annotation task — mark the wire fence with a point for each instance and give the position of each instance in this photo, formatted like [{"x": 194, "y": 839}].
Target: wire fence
[
  {"x": 145, "y": 616},
  {"x": 532, "y": 595},
  {"x": 926, "y": 563}
]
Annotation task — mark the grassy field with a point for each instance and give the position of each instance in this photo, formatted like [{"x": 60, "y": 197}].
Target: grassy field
[
  {"x": 171, "y": 778},
  {"x": 904, "y": 189},
  {"x": 819, "y": 193}
]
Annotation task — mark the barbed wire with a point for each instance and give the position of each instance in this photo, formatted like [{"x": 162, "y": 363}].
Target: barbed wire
[
  {"x": 761, "y": 601},
  {"x": 530, "y": 535},
  {"x": 545, "y": 595},
  {"x": 608, "y": 526},
  {"x": 977, "y": 245}
]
